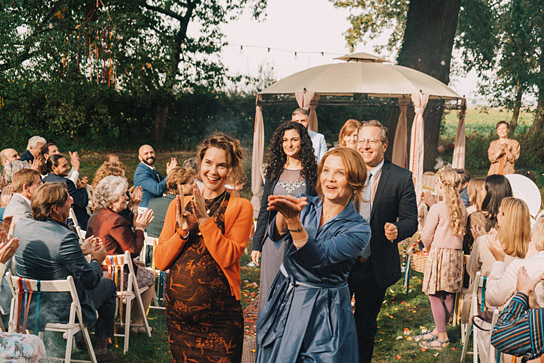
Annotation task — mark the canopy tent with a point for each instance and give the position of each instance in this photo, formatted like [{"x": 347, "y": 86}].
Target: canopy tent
[{"x": 361, "y": 74}]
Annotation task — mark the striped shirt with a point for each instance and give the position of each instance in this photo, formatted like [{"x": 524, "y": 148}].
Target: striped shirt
[{"x": 520, "y": 330}]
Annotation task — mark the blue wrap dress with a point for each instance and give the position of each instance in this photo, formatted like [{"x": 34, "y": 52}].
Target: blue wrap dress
[{"x": 308, "y": 316}]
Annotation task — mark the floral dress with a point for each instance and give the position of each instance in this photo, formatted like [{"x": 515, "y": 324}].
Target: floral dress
[{"x": 205, "y": 322}]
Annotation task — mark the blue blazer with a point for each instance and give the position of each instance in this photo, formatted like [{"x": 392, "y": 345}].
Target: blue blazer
[
  {"x": 319, "y": 144},
  {"x": 151, "y": 181}
]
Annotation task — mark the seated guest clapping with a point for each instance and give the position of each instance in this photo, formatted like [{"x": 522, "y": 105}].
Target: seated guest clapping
[
  {"x": 58, "y": 168},
  {"x": 520, "y": 328},
  {"x": 501, "y": 285},
  {"x": 48, "y": 250},
  {"x": 110, "y": 198},
  {"x": 25, "y": 183}
]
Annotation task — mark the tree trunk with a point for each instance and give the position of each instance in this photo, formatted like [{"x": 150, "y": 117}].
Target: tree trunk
[
  {"x": 161, "y": 115},
  {"x": 517, "y": 108},
  {"x": 538, "y": 123},
  {"x": 427, "y": 47}
]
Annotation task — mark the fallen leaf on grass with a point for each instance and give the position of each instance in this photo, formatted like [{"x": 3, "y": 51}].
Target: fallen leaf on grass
[
  {"x": 391, "y": 290},
  {"x": 399, "y": 337},
  {"x": 398, "y": 356},
  {"x": 453, "y": 348},
  {"x": 407, "y": 331},
  {"x": 409, "y": 339},
  {"x": 423, "y": 349},
  {"x": 390, "y": 316}
]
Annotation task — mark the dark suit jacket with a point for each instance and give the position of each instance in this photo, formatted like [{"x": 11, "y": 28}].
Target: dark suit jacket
[
  {"x": 265, "y": 216},
  {"x": 394, "y": 202},
  {"x": 27, "y": 156},
  {"x": 48, "y": 250},
  {"x": 80, "y": 196},
  {"x": 151, "y": 181}
]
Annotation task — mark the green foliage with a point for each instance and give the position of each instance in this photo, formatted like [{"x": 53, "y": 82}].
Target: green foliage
[{"x": 369, "y": 19}]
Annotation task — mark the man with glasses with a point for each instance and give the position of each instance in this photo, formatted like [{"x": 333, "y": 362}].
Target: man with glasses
[
  {"x": 301, "y": 116},
  {"x": 389, "y": 205}
]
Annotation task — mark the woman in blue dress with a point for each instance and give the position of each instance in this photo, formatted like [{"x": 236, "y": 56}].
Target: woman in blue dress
[{"x": 308, "y": 316}]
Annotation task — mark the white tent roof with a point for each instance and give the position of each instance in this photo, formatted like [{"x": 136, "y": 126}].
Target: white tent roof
[{"x": 364, "y": 76}]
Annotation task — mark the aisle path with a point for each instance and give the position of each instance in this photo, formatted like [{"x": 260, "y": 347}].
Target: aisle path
[{"x": 250, "y": 321}]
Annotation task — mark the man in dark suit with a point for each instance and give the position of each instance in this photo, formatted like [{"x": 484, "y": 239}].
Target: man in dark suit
[
  {"x": 33, "y": 148},
  {"x": 147, "y": 176},
  {"x": 389, "y": 204},
  {"x": 58, "y": 168},
  {"x": 48, "y": 250},
  {"x": 25, "y": 183}
]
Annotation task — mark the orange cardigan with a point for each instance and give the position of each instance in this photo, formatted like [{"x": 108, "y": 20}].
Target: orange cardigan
[{"x": 225, "y": 249}]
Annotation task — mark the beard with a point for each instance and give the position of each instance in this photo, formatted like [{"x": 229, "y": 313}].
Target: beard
[{"x": 149, "y": 161}]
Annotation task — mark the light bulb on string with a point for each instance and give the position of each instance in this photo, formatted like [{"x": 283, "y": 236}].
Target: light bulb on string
[
  {"x": 241, "y": 49},
  {"x": 295, "y": 55}
]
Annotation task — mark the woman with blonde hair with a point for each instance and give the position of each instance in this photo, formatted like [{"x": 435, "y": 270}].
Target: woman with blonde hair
[
  {"x": 514, "y": 234},
  {"x": 501, "y": 284},
  {"x": 201, "y": 242},
  {"x": 443, "y": 235},
  {"x": 348, "y": 133}
]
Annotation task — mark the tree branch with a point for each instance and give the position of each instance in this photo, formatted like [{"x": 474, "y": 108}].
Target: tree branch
[{"x": 166, "y": 12}]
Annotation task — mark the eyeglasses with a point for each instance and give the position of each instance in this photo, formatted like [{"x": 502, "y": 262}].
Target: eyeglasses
[{"x": 371, "y": 141}]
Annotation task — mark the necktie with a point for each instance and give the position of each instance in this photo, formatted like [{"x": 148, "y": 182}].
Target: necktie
[{"x": 366, "y": 205}]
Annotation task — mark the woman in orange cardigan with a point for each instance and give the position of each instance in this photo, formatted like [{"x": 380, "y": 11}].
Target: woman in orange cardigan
[{"x": 201, "y": 243}]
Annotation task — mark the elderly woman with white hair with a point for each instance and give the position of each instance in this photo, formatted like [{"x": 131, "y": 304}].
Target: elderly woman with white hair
[{"x": 110, "y": 198}]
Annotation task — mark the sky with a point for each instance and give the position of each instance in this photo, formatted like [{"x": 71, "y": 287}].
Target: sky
[{"x": 307, "y": 27}]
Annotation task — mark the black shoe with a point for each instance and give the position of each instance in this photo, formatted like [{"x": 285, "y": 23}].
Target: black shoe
[{"x": 106, "y": 356}]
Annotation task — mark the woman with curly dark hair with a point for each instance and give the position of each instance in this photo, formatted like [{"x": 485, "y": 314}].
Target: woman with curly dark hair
[{"x": 291, "y": 170}]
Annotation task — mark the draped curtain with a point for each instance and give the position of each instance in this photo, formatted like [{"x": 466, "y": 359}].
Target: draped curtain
[
  {"x": 257, "y": 156},
  {"x": 401, "y": 135},
  {"x": 458, "y": 161},
  {"x": 306, "y": 99},
  {"x": 417, "y": 142}
]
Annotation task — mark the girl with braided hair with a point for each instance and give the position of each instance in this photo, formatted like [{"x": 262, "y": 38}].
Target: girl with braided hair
[{"x": 443, "y": 235}]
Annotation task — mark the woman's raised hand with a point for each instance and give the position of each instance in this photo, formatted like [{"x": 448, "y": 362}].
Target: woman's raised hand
[
  {"x": 495, "y": 246},
  {"x": 290, "y": 207},
  {"x": 199, "y": 206},
  {"x": 143, "y": 220}
]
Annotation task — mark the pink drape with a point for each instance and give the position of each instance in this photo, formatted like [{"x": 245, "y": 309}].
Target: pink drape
[
  {"x": 458, "y": 161},
  {"x": 401, "y": 135},
  {"x": 257, "y": 157},
  {"x": 417, "y": 142},
  {"x": 307, "y": 99}
]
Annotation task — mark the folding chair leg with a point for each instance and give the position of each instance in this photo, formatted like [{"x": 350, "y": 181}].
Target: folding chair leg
[
  {"x": 141, "y": 307},
  {"x": 128, "y": 307},
  {"x": 69, "y": 346},
  {"x": 465, "y": 344},
  {"x": 89, "y": 344}
]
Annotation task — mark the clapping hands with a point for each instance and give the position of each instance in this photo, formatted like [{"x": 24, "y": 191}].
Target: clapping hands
[{"x": 495, "y": 246}]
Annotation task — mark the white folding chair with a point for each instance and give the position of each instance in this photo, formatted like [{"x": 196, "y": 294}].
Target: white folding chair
[
  {"x": 24, "y": 287},
  {"x": 127, "y": 294},
  {"x": 492, "y": 352},
  {"x": 478, "y": 285},
  {"x": 464, "y": 326},
  {"x": 80, "y": 232},
  {"x": 160, "y": 276}
]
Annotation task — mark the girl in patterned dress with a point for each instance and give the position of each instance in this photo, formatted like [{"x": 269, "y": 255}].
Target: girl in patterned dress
[{"x": 443, "y": 235}]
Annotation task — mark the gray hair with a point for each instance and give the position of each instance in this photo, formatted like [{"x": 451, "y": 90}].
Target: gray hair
[
  {"x": 375, "y": 123},
  {"x": 34, "y": 141},
  {"x": 301, "y": 111},
  {"x": 13, "y": 167},
  {"x": 108, "y": 191}
]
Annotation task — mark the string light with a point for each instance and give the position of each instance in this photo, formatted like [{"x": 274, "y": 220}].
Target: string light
[{"x": 296, "y": 53}]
